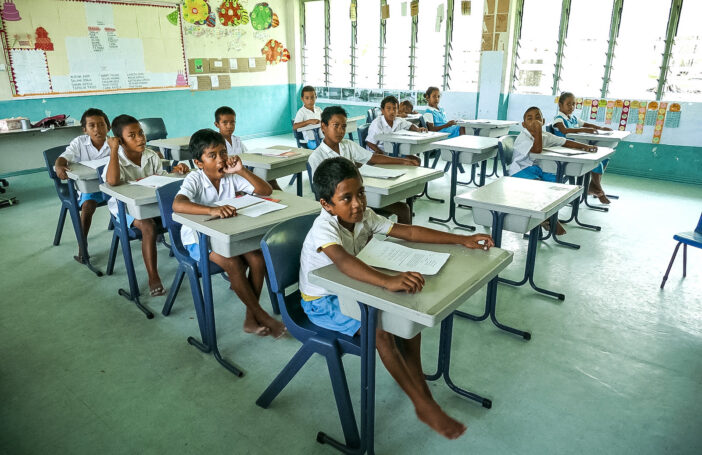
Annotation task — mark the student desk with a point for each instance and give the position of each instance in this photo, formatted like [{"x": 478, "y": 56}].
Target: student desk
[
  {"x": 231, "y": 237},
  {"x": 605, "y": 140},
  {"x": 578, "y": 166},
  {"x": 469, "y": 150},
  {"x": 273, "y": 167},
  {"x": 383, "y": 192},
  {"x": 171, "y": 148},
  {"x": 352, "y": 124},
  {"x": 517, "y": 205},
  {"x": 403, "y": 314},
  {"x": 21, "y": 150},
  {"x": 489, "y": 128},
  {"x": 412, "y": 144},
  {"x": 141, "y": 203}
]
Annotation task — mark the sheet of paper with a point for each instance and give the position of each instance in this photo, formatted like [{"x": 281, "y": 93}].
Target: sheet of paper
[
  {"x": 214, "y": 80},
  {"x": 379, "y": 172},
  {"x": 393, "y": 256},
  {"x": 94, "y": 164},
  {"x": 252, "y": 63},
  {"x": 156, "y": 181},
  {"x": 564, "y": 151},
  {"x": 241, "y": 201},
  {"x": 264, "y": 207},
  {"x": 273, "y": 152},
  {"x": 233, "y": 64}
]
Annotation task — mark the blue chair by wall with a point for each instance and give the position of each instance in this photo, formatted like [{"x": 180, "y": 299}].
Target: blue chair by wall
[
  {"x": 281, "y": 250},
  {"x": 154, "y": 128},
  {"x": 693, "y": 238},
  {"x": 302, "y": 144},
  {"x": 550, "y": 128}
]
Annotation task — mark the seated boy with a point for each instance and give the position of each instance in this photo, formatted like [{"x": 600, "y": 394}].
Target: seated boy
[
  {"x": 386, "y": 124},
  {"x": 308, "y": 114},
  {"x": 220, "y": 177},
  {"x": 130, "y": 160},
  {"x": 225, "y": 121},
  {"x": 339, "y": 233},
  {"x": 406, "y": 108},
  {"x": 90, "y": 146},
  {"x": 334, "y": 144}
]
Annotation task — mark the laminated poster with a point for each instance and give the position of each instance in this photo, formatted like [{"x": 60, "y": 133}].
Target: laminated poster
[
  {"x": 672, "y": 120},
  {"x": 585, "y": 113},
  {"x": 624, "y": 117},
  {"x": 660, "y": 119},
  {"x": 609, "y": 112},
  {"x": 651, "y": 113},
  {"x": 602, "y": 111},
  {"x": 594, "y": 109},
  {"x": 642, "y": 116}
]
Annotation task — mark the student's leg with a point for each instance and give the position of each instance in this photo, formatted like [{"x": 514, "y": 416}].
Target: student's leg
[
  {"x": 148, "y": 251},
  {"x": 530, "y": 173},
  {"x": 88, "y": 207},
  {"x": 405, "y": 374},
  {"x": 257, "y": 273}
]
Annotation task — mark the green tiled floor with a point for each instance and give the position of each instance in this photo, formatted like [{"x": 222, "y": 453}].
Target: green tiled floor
[{"x": 615, "y": 368}]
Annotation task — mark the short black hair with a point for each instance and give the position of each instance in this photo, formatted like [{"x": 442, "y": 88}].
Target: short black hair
[
  {"x": 203, "y": 139},
  {"x": 120, "y": 122},
  {"x": 330, "y": 173},
  {"x": 407, "y": 103},
  {"x": 564, "y": 96},
  {"x": 389, "y": 99},
  {"x": 224, "y": 110},
  {"x": 429, "y": 91},
  {"x": 93, "y": 112},
  {"x": 331, "y": 111},
  {"x": 307, "y": 88},
  {"x": 531, "y": 109}
]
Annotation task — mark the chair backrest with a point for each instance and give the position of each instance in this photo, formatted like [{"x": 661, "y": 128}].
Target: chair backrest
[
  {"x": 314, "y": 190},
  {"x": 550, "y": 129},
  {"x": 422, "y": 122},
  {"x": 362, "y": 134},
  {"x": 154, "y": 128},
  {"x": 505, "y": 148},
  {"x": 698, "y": 229},
  {"x": 165, "y": 196},
  {"x": 50, "y": 156},
  {"x": 301, "y": 142},
  {"x": 281, "y": 247}
]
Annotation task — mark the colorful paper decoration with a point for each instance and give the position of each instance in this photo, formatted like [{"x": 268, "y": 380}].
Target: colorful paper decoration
[
  {"x": 262, "y": 17},
  {"x": 43, "y": 41},
  {"x": 275, "y": 52},
  {"x": 673, "y": 118},
  {"x": 610, "y": 112},
  {"x": 465, "y": 7},
  {"x": 181, "y": 81},
  {"x": 660, "y": 119},
  {"x": 9, "y": 11},
  {"x": 196, "y": 11},
  {"x": 211, "y": 20},
  {"x": 642, "y": 116},
  {"x": 593, "y": 110},
  {"x": 651, "y": 114},
  {"x": 624, "y": 118},
  {"x": 173, "y": 17},
  {"x": 231, "y": 13}
]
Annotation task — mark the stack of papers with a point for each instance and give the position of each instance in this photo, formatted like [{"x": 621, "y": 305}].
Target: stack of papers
[
  {"x": 251, "y": 206},
  {"x": 94, "y": 164},
  {"x": 156, "y": 181},
  {"x": 564, "y": 151},
  {"x": 393, "y": 256},
  {"x": 274, "y": 152},
  {"x": 379, "y": 172}
]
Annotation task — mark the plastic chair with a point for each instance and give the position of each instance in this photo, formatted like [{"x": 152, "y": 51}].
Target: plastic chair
[
  {"x": 363, "y": 134},
  {"x": 550, "y": 129},
  {"x": 154, "y": 128},
  {"x": 372, "y": 114},
  {"x": 693, "y": 239},
  {"x": 505, "y": 149},
  {"x": 302, "y": 144},
  {"x": 281, "y": 250}
]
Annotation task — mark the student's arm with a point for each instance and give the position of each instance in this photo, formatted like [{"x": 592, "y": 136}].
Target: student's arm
[
  {"x": 431, "y": 127},
  {"x": 414, "y": 127},
  {"x": 580, "y": 146},
  {"x": 596, "y": 127},
  {"x": 379, "y": 158},
  {"x": 181, "y": 204},
  {"x": 358, "y": 270},
  {"x": 534, "y": 127},
  {"x": 113, "y": 173},
  {"x": 374, "y": 147},
  {"x": 312, "y": 121},
  {"x": 235, "y": 166},
  {"x": 414, "y": 233},
  {"x": 562, "y": 128},
  {"x": 61, "y": 166}
]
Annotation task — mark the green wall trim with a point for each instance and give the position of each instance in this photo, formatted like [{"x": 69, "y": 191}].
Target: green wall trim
[{"x": 672, "y": 163}]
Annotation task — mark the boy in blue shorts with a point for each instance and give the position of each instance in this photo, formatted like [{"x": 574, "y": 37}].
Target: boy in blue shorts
[
  {"x": 339, "y": 233},
  {"x": 220, "y": 177}
]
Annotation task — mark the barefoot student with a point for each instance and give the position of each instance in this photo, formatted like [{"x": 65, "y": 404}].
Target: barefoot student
[
  {"x": 342, "y": 229},
  {"x": 220, "y": 177}
]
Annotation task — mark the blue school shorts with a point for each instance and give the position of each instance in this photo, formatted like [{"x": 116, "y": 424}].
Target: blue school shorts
[
  {"x": 534, "y": 172},
  {"x": 98, "y": 197},
  {"x": 130, "y": 219},
  {"x": 601, "y": 167},
  {"x": 325, "y": 312},
  {"x": 194, "y": 250},
  {"x": 312, "y": 144}
]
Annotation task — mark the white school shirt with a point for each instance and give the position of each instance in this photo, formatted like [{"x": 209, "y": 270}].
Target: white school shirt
[
  {"x": 522, "y": 145},
  {"x": 236, "y": 147},
  {"x": 82, "y": 149},
  {"x": 304, "y": 114},
  {"x": 348, "y": 149},
  {"x": 571, "y": 119},
  {"x": 380, "y": 126},
  {"x": 326, "y": 230},
  {"x": 128, "y": 171},
  {"x": 199, "y": 189}
]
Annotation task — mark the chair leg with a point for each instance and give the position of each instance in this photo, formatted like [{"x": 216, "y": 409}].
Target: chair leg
[
  {"x": 59, "y": 226},
  {"x": 173, "y": 293},
  {"x": 110, "y": 225},
  {"x": 670, "y": 264},
  {"x": 274, "y": 300},
  {"x": 436, "y": 160},
  {"x": 684, "y": 260},
  {"x": 292, "y": 179},
  {"x": 343, "y": 400},
  {"x": 284, "y": 377},
  {"x": 112, "y": 257}
]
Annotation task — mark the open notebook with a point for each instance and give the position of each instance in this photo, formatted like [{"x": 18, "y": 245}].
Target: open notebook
[{"x": 251, "y": 206}]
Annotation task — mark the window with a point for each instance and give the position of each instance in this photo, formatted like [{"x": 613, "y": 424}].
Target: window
[
  {"x": 314, "y": 42},
  {"x": 368, "y": 37},
  {"x": 340, "y": 43},
  {"x": 398, "y": 32},
  {"x": 537, "y": 47},
  {"x": 685, "y": 67},
  {"x": 429, "y": 55},
  {"x": 586, "y": 45},
  {"x": 465, "y": 53},
  {"x": 638, "y": 54}
]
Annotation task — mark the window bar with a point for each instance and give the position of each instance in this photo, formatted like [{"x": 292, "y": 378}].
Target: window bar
[
  {"x": 447, "y": 45},
  {"x": 354, "y": 42},
  {"x": 327, "y": 42},
  {"x": 562, "y": 34},
  {"x": 304, "y": 41},
  {"x": 671, "y": 31},
  {"x": 519, "y": 12},
  {"x": 381, "y": 46},
  {"x": 613, "y": 35},
  {"x": 413, "y": 49}
]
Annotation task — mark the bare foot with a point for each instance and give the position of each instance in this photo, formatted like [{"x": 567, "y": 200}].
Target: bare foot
[
  {"x": 439, "y": 421},
  {"x": 603, "y": 198},
  {"x": 277, "y": 328},
  {"x": 560, "y": 230},
  {"x": 251, "y": 325},
  {"x": 78, "y": 258}
]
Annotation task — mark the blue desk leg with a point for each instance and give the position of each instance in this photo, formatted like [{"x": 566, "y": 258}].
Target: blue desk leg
[
  {"x": 78, "y": 230},
  {"x": 426, "y": 185},
  {"x": 491, "y": 299},
  {"x": 472, "y": 176},
  {"x": 583, "y": 181},
  {"x": 299, "y": 183},
  {"x": 452, "y": 192},
  {"x": 208, "y": 307},
  {"x": 123, "y": 231}
]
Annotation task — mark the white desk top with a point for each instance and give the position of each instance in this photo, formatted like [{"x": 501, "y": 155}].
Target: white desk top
[
  {"x": 132, "y": 194},
  {"x": 486, "y": 123},
  {"x": 413, "y": 175},
  {"x": 465, "y": 272},
  {"x": 171, "y": 142},
  {"x": 467, "y": 143},
  {"x": 587, "y": 157},
  {"x": 77, "y": 171},
  {"x": 614, "y": 136},
  {"x": 420, "y": 138},
  {"x": 358, "y": 118},
  {"x": 520, "y": 196},
  {"x": 272, "y": 162},
  {"x": 40, "y": 130},
  {"x": 311, "y": 127}
]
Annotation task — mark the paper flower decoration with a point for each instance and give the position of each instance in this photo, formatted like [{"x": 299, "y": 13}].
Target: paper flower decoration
[
  {"x": 231, "y": 13},
  {"x": 196, "y": 11},
  {"x": 262, "y": 16},
  {"x": 275, "y": 52},
  {"x": 173, "y": 17}
]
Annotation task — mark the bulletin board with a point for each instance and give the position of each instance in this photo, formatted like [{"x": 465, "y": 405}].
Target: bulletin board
[{"x": 56, "y": 47}]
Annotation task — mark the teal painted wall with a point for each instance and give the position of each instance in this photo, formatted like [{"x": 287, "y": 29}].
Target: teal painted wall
[
  {"x": 261, "y": 110},
  {"x": 664, "y": 162}
]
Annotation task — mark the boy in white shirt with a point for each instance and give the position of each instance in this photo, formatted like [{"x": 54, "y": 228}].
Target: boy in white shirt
[
  {"x": 221, "y": 177},
  {"x": 342, "y": 229},
  {"x": 388, "y": 123},
  {"x": 308, "y": 114},
  {"x": 334, "y": 144},
  {"x": 90, "y": 146}
]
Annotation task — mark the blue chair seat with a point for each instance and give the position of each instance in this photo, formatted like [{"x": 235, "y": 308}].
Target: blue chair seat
[{"x": 692, "y": 238}]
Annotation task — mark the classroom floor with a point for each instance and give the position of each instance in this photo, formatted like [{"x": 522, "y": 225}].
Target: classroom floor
[{"x": 615, "y": 368}]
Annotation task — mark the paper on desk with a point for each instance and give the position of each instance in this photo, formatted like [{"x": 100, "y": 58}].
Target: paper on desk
[
  {"x": 262, "y": 208},
  {"x": 379, "y": 172},
  {"x": 241, "y": 201},
  {"x": 95, "y": 163},
  {"x": 274, "y": 152},
  {"x": 156, "y": 181},
  {"x": 564, "y": 151},
  {"x": 393, "y": 256}
]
